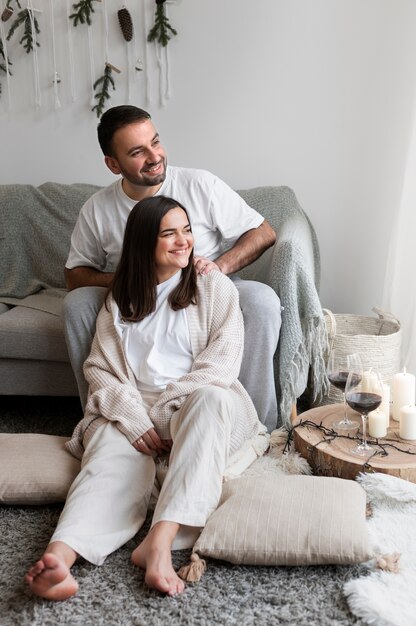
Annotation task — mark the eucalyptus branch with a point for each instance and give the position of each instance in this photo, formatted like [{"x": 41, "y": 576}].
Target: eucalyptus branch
[
  {"x": 105, "y": 81},
  {"x": 83, "y": 10},
  {"x": 161, "y": 28},
  {"x": 25, "y": 18}
]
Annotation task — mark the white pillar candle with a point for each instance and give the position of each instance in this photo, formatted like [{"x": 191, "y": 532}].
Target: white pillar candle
[
  {"x": 408, "y": 422},
  {"x": 377, "y": 424},
  {"x": 369, "y": 380},
  {"x": 403, "y": 392},
  {"x": 385, "y": 404}
]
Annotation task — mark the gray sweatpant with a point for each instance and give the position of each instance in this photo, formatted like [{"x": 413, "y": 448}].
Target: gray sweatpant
[{"x": 262, "y": 320}]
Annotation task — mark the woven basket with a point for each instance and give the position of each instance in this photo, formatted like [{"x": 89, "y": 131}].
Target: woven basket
[{"x": 376, "y": 339}]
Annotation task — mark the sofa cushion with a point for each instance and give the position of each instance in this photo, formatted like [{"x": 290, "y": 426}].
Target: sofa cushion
[{"x": 31, "y": 334}]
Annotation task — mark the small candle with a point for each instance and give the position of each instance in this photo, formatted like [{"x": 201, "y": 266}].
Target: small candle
[
  {"x": 408, "y": 422},
  {"x": 377, "y": 424},
  {"x": 403, "y": 392},
  {"x": 385, "y": 404}
]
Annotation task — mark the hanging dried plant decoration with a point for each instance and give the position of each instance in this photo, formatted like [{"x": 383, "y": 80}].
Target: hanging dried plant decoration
[
  {"x": 82, "y": 12},
  {"x": 25, "y": 18},
  {"x": 104, "y": 82},
  {"x": 161, "y": 31},
  {"x": 3, "y": 67},
  {"x": 126, "y": 23}
]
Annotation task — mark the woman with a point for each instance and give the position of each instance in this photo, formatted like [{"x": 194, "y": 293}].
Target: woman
[{"x": 162, "y": 377}]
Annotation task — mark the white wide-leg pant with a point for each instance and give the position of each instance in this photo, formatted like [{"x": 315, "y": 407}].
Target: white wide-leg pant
[{"x": 107, "y": 502}]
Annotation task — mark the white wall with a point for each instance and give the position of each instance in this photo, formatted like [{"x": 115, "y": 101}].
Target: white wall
[{"x": 314, "y": 94}]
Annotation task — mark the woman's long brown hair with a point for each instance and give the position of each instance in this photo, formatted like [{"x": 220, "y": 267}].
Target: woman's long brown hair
[{"x": 134, "y": 283}]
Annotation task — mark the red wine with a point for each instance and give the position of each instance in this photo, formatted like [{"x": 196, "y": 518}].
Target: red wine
[
  {"x": 339, "y": 379},
  {"x": 363, "y": 401}
]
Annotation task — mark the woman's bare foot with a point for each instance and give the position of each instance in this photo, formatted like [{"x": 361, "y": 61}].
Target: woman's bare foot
[
  {"x": 51, "y": 578},
  {"x": 154, "y": 555}
]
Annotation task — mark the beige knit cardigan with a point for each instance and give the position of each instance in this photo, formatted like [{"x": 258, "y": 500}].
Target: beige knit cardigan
[{"x": 217, "y": 339}]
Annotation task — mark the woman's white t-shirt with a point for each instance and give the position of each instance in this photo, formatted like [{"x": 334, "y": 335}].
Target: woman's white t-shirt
[{"x": 158, "y": 348}]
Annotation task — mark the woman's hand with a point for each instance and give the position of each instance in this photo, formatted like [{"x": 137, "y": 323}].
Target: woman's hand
[
  {"x": 151, "y": 444},
  {"x": 203, "y": 265}
]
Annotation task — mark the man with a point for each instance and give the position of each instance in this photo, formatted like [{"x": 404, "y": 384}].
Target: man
[{"x": 228, "y": 236}]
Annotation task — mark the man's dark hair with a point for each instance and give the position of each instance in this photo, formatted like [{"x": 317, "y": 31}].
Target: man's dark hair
[
  {"x": 115, "y": 118},
  {"x": 134, "y": 283}
]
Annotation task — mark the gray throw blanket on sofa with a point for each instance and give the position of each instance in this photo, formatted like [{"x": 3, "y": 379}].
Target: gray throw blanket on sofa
[
  {"x": 35, "y": 228},
  {"x": 292, "y": 268}
]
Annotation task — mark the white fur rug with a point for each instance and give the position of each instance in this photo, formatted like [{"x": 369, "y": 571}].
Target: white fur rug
[
  {"x": 386, "y": 598},
  {"x": 380, "y": 598}
]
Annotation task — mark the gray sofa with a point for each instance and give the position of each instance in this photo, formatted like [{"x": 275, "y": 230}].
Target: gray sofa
[{"x": 35, "y": 229}]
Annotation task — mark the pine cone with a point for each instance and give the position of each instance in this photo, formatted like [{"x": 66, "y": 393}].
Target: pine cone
[{"x": 126, "y": 23}]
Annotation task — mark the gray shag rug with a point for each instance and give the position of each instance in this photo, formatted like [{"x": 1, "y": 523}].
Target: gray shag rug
[{"x": 115, "y": 595}]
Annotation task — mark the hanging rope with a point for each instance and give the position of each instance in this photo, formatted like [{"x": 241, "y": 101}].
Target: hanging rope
[
  {"x": 146, "y": 69},
  {"x": 70, "y": 53},
  {"x": 56, "y": 79},
  {"x": 91, "y": 59},
  {"x": 38, "y": 94},
  {"x": 106, "y": 33}
]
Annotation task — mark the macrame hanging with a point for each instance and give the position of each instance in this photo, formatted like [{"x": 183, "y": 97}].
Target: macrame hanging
[
  {"x": 82, "y": 15},
  {"x": 35, "y": 31},
  {"x": 126, "y": 25},
  {"x": 70, "y": 43},
  {"x": 147, "y": 75},
  {"x": 56, "y": 78},
  {"x": 161, "y": 33},
  {"x": 106, "y": 80}
]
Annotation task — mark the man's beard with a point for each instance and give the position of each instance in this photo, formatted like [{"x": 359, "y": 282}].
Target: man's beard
[{"x": 147, "y": 181}]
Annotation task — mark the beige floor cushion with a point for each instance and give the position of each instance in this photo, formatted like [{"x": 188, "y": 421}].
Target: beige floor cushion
[
  {"x": 288, "y": 520},
  {"x": 35, "y": 469}
]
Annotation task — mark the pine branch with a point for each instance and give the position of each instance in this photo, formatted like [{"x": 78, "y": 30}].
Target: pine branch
[
  {"x": 105, "y": 81},
  {"x": 83, "y": 10},
  {"x": 3, "y": 67},
  {"x": 24, "y": 18},
  {"x": 161, "y": 28}
]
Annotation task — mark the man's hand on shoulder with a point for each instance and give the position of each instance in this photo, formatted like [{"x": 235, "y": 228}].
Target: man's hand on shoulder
[{"x": 204, "y": 266}]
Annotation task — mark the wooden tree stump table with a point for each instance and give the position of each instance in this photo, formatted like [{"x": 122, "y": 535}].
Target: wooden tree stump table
[{"x": 331, "y": 455}]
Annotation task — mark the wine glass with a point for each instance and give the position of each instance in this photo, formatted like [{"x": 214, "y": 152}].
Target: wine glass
[
  {"x": 364, "y": 394},
  {"x": 338, "y": 368}
]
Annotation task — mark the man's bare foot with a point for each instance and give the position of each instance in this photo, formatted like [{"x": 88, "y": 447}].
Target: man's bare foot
[
  {"x": 51, "y": 578},
  {"x": 154, "y": 555}
]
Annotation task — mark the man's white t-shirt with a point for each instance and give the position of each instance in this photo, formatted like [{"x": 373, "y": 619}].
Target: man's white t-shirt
[{"x": 219, "y": 216}]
